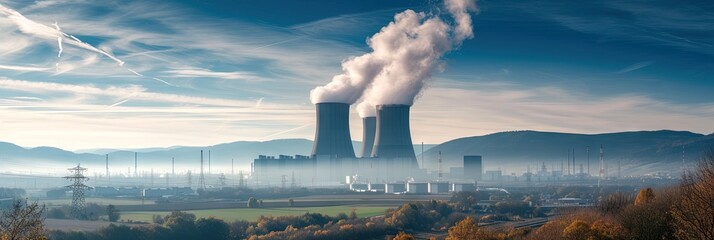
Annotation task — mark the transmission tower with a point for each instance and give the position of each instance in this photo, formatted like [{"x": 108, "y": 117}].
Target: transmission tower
[
  {"x": 292, "y": 181},
  {"x": 283, "y": 180},
  {"x": 222, "y": 180},
  {"x": 190, "y": 179},
  {"x": 78, "y": 179},
  {"x": 241, "y": 179},
  {"x": 602, "y": 167}
]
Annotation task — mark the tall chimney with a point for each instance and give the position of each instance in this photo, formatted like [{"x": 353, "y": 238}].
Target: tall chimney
[
  {"x": 393, "y": 138},
  {"x": 369, "y": 127},
  {"x": 332, "y": 134}
]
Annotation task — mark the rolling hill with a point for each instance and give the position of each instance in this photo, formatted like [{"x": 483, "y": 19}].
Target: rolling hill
[{"x": 637, "y": 152}]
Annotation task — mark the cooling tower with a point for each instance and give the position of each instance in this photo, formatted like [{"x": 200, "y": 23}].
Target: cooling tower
[
  {"x": 332, "y": 135},
  {"x": 393, "y": 138},
  {"x": 369, "y": 127}
]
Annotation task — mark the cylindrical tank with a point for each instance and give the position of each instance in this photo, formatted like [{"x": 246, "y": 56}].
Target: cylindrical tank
[
  {"x": 369, "y": 128},
  {"x": 332, "y": 134},
  {"x": 393, "y": 138}
]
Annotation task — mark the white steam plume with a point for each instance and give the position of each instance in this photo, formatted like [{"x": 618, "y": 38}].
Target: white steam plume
[
  {"x": 459, "y": 9},
  {"x": 348, "y": 87},
  {"x": 364, "y": 109},
  {"x": 405, "y": 54}
]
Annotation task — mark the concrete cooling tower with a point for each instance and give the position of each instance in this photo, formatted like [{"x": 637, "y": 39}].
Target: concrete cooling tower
[
  {"x": 332, "y": 135},
  {"x": 369, "y": 128},
  {"x": 393, "y": 139}
]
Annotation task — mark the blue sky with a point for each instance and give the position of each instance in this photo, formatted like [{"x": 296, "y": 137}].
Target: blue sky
[{"x": 220, "y": 71}]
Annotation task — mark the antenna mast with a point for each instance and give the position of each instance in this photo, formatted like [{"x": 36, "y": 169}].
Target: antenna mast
[
  {"x": 136, "y": 163},
  {"x": 202, "y": 179},
  {"x": 602, "y": 166},
  {"x": 568, "y": 161},
  {"x": 107, "y": 166}
]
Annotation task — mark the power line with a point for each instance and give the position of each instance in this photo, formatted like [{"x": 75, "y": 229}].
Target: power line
[{"x": 78, "y": 179}]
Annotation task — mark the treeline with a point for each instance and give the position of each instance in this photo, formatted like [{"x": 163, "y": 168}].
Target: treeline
[
  {"x": 92, "y": 212},
  {"x": 12, "y": 192}
]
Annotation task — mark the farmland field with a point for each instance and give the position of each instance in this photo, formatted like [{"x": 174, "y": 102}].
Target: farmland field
[
  {"x": 100, "y": 201},
  {"x": 252, "y": 214}
]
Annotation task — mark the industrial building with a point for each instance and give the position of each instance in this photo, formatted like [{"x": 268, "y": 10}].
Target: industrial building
[
  {"x": 389, "y": 158},
  {"x": 394, "y": 188},
  {"x": 439, "y": 187},
  {"x": 463, "y": 187},
  {"x": 473, "y": 167},
  {"x": 493, "y": 175}
]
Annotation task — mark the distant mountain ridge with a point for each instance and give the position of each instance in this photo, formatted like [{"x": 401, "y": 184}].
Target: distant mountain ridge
[{"x": 638, "y": 152}]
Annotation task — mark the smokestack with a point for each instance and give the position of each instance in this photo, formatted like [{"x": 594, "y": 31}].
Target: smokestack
[
  {"x": 332, "y": 134},
  {"x": 393, "y": 138},
  {"x": 369, "y": 128}
]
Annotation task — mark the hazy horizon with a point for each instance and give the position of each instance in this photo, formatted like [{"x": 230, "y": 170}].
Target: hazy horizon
[{"x": 179, "y": 73}]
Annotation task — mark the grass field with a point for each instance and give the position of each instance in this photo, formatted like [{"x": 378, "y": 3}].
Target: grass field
[
  {"x": 101, "y": 201},
  {"x": 252, "y": 214}
]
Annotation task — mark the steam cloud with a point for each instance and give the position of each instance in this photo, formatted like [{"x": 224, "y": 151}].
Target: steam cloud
[
  {"x": 405, "y": 54},
  {"x": 366, "y": 110}
]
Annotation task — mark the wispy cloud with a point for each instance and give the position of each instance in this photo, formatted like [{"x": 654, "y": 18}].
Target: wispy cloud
[
  {"x": 634, "y": 67},
  {"x": 195, "y": 73},
  {"x": 547, "y": 109},
  {"x": 655, "y": 23},
  {"x": 43, "y": 31},
  {"x": 25, "y": 68}
]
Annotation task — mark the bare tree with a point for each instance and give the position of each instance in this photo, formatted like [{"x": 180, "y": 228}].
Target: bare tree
[
  {"x": 694, "y": 213},
  {"x": 23, "y": 221}
]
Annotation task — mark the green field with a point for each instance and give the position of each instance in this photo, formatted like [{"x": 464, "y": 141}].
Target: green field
[
  {"x": 100, "y": 201},
  {"x": 252, "y": 214}
]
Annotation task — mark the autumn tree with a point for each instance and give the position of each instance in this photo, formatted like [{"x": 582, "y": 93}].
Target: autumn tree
[
  {"x": 650, "y": 218},
  {"x": 694, "y": 213},
  {"x": 614, "y": 203},
  {"x": 22, "y": 221},
  {"x": 403, "y": 236},
  {"x": 464, "y": 230},
  {"x": 645, "y": 196},
  {"x": 212, "y": 228},
  {"x": 113, "y": 213},
  {"x": 182, "y": 225},
  {"x": 578, "y": 229}
]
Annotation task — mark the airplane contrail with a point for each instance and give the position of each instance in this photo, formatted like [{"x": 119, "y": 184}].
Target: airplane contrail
[{"x": 59, "y": 40}]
